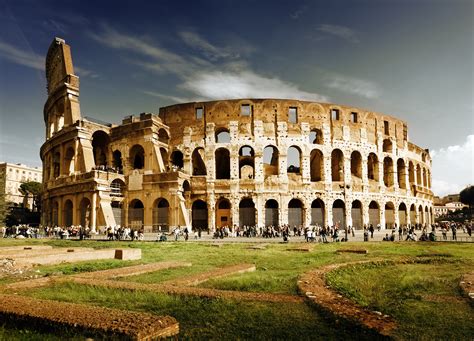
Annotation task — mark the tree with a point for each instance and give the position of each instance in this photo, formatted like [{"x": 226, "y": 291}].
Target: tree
[
  {"x": 34, "y": 189},
  {"x": 467, "y": 197}
]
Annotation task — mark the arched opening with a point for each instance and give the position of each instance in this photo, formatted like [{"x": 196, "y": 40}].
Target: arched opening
[
  {"x": 356, "y": 164},
  {"x": 424, "y": 178},
  {"x": 69, "y": 161},
  {"x": 137, "y": 157},
  {"x": 316, "y": 165},
  {"x": 388, "y": 172},
  {"x": 373, "y": 167},
  {"x": 389, "y": 215},
  {"x": 117, "y": 188},
  {"x": 223, "y": 217},
  {"x": 428, "y": 178},
  {"x": 199, "y": 167},
  {"x": 317, "y": 212},
  {"x": 315, "y": 136},
  {"x": 413, "y": 214},
  {"x": 337, "y": 165},
  {"x": 222, "y": 163},
  {"x": 295, "y": 213},
  {"x": 186, "y": 186},
  {"x": 177, "y": 160},
  {"x": 100, "y": 148},
  {"x": 418, "y": 175},
  {"x": 85, "y": 210},
  {"x": 271, "y": 213},
  {"x": 117, "y": 156},
  {"x": 56, "y": 164},
  {"x": 164, "y": 157},
  {"x": 67, "y": 214},
  {"x": 374, "y": 214},
  {"x": 222, "y": 136},
  {"x": 161, "y": 209},
  {"x": 411, "y": 173},
  {"x": 387, "y": 146},
  {"x": 339, "y": 213},
  {"x": 270, "y": 160},
  {"x": 402, "y": 214},
  {"x": 135, "y": 214},
  {"x": 246, "y": 163},
  {"x": 294, "y": 160},
  {"x": 427, "y": 215},
  {"x": 356, "y": 214},
  {"x": 163, "y": 136},
  {"x": 247, "y": 212},
  {"x": 401, "y": 174},
  {"x": 199, "y": 215}
]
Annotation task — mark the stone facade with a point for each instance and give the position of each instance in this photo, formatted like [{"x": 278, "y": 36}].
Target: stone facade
[{"x": 229, "y": 162}]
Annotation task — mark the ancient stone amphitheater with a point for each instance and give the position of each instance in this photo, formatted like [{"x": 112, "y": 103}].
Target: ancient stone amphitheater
[{"x": 225, "y": 163}]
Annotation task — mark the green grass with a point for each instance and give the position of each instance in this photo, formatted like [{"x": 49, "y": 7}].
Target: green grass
[
  {"x": 423, "y": 297},
  {"x": 396, "y": 289}
]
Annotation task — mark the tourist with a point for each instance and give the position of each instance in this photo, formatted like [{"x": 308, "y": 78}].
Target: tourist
[{"x": 453, "y": 229}]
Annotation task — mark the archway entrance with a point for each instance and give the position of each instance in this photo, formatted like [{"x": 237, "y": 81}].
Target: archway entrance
[
  {"x": 68, "y": 213},
  {"x": 161, "y": 215},
  {"x": 85, "y": 212},
  {"x": 199, "y": 215},
  {"x": 412, "y": 214},
  {"x": 135, "y": 214},
  {"x": 317, "y": 212},
  {"x": 295, "y": 213},
  {"x": 223, "y": 217},
  {"x": 246, "y": 212},
  {"x": 356, "y": 214},
  {"x": 389, "y": 215},
  {"x": 402, "y": 214},
  {"x": 271, "y": 213},
  {"x": 339, "y": 213},
  {"x": 374, "y": 214},
  {"x": 117, "y": 212}
]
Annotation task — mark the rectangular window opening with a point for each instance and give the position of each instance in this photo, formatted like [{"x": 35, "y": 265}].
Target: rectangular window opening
[
  {"x": 353, "y": 117},
  {"x": 199, "y": 113},
  {"x": 386, "y": 128},
  {"x": 293, "y": 115},
  {"x": 335, "y": 114},
  {"x": 245, "y": 110}
]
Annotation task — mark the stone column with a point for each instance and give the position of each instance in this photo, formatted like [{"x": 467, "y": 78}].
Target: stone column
[
  {"x": 328, "y": 215},
  {"x": 348, "y": 212},
  {"x": 396, "y": 217},
  {"x": 234, "y": 210},
  {"x": 94, "y": 212},
  {"x": 234, "y": 162},
  {"x": 365, "y": 175},
  {"x": 211, "y": 217},
  {"x": 260, "y": 207},
  {"x": 382, "y": 216},
  {"x": 305, "y": 168},
  {"x": 258, "y": 166},
  {"x": 365, "y": 214}
]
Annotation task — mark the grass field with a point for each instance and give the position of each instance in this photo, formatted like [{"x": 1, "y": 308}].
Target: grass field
[{"x": 422, "y": 294}]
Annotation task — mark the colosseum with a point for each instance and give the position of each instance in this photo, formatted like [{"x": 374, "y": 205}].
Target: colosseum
[{"x": 253, "y": 162}]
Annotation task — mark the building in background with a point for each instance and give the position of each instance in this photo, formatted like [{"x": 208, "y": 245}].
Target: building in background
[
  {"x": 11, "y": 177},
  {"x": 227, "y": 163}
]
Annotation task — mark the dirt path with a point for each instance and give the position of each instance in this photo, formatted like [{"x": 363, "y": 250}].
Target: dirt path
[
  {"x": 205, "y": 276},
  {"x": 86, "y": 318},
  {"x": 313, "y": 285}
]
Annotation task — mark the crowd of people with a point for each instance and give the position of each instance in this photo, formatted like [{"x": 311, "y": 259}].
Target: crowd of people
[{"x": 323, "y": 234}]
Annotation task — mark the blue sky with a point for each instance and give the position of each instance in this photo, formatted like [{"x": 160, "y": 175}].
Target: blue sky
[{"x": 411, "y": 59}]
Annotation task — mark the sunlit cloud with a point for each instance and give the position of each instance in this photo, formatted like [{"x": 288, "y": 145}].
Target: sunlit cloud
[
  {"x": 360, "y": 87},
  {"x": 453, "y": 167}
]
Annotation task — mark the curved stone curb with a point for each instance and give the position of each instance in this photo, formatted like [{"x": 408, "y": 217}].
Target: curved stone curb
[
  {"x": 313, "y": 286},
  {"x": 108, "y": 322},
  {"x": 467, "y": 286}
]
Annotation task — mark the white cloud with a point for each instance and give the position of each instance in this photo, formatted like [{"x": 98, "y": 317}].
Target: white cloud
[
  {"x": 245, "y": 84},
  {"x": 355, "y": 86},
  {"x": 33, "y": 60},
  {"x": 21, "y": 57},
  {"x": 342, "y": 32},
  {"x": 453, "y": 167},
  {"x": 165, "y": 96},
  {"x": 204, "y": 79}
]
